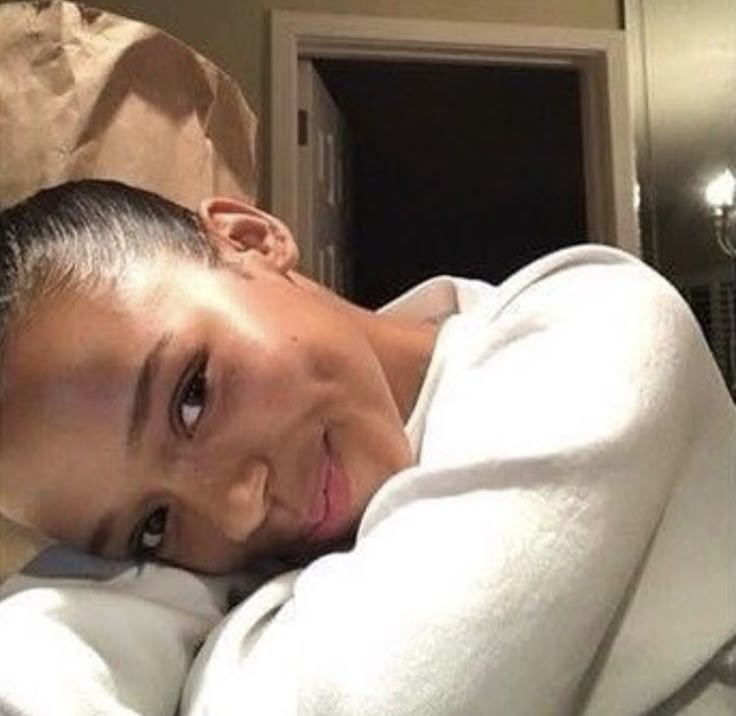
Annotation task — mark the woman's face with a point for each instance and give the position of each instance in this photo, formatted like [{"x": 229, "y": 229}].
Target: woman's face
[{"x": 195, "y": 414}]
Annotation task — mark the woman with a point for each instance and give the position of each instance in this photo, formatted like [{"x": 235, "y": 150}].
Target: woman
[
  {"x": 178, "y": 391},
  {"x": 521, "y": 469}
]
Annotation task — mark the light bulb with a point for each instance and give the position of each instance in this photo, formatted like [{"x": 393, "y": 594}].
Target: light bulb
[{"x": 720, "y": 191}]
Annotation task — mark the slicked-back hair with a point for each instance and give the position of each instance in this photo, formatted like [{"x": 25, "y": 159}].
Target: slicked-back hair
[{"x": 85, "y": 233}]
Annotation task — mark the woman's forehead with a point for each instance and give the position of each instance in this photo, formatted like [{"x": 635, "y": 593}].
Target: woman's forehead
[
  {"x": 71, "y": 335},
  {"x": 71, "y": 365},
  {"x": 65, "y": 365},
  {"x": 89, "y": 340},
  {"x": 81, "y": 352},
  {"x": 66, "y": 394},
  {"x": 91, "y": 321}
]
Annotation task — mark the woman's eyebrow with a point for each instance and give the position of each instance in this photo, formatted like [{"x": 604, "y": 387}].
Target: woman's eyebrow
[{"x": 142, "y": 394}]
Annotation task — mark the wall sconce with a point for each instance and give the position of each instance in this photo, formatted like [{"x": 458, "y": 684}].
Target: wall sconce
[{"x": 720, "y": 196}]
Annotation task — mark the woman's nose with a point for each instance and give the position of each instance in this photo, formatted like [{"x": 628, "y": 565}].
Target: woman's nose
[{"x": 236, "y": 506}]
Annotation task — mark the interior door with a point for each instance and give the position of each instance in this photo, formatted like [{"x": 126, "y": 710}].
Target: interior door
[{"x": 323, "y": 206}]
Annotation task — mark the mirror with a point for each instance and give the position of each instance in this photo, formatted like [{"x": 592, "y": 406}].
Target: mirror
[{"x": 683, "y": 64}]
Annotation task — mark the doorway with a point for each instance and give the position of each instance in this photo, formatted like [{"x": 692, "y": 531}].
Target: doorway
[
  {"x": 468, "y": 170},
  {"x": 531, "y": 122}
]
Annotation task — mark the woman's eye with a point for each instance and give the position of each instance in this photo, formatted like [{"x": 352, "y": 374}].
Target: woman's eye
[
  {"x": 150, "y": 535},
  {"x": 193, "y": 400}
]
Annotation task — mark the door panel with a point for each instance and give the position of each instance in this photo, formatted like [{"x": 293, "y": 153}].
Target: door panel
[{"x": 323, "y": 209}]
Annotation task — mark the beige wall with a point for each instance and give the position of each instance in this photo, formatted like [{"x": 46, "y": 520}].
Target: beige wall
[{"x": 234, "y": 33}]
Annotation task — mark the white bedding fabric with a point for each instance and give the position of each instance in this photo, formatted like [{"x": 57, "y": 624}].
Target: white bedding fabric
[
  {"x": 564, "y": 545},
  {"x": 77, "y": 648}
]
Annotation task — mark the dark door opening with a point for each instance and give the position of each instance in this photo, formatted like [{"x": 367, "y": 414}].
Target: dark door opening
[{"x": 459, "y": 169}]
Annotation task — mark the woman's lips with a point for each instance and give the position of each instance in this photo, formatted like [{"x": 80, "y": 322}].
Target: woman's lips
[
  {"x": 329, "y": 515},
  {"x": 318, "y": 508}
]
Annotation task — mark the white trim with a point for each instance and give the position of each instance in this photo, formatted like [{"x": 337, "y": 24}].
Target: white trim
[
  {"x": 600, "y": 55},
  {"x": 641, "y": 122}
]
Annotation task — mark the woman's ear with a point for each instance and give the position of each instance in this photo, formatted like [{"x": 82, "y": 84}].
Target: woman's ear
[{"x": 239, "y": 229}]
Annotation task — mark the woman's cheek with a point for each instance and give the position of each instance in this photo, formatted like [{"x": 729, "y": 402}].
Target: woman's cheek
[
  {"x": 200, "y": 547},
  {"x": 255, "y": 387}
]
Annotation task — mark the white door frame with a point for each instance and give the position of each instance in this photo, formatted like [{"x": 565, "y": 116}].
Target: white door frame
[{"x": 599, "y": 55}]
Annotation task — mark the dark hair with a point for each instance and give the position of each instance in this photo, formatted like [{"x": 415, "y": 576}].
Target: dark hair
[{"x": 85, "y": 232}]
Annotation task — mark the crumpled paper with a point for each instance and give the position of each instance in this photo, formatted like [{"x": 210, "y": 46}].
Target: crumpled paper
[
  {"x": 85, "y": 93},
  {"x": 88, "y": 94}
]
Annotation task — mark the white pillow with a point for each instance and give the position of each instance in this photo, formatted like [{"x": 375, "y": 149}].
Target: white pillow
[{"x": 114, "y": 638}]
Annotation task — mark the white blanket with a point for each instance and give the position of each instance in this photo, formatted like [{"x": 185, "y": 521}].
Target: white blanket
[
  {"x": 565, "y": 544},
  {"x": 72, "y": 647}
]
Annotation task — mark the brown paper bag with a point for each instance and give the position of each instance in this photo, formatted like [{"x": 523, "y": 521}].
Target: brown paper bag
[{"x": 85, "y": 93}]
